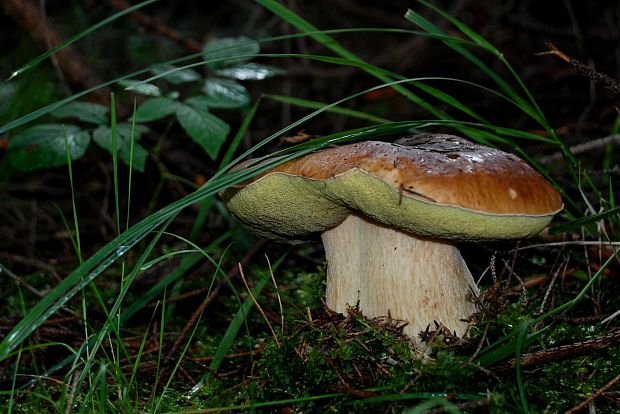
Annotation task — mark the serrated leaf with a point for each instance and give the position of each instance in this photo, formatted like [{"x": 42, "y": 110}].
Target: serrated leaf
[
  {"x": 84, "y": 111},
  {"x": 140, "y": 87},
  {"x": 249, "y": 71},
  {"x": 206, "y": 129},
  {"x": 103, "y": 137},
  {"x": 44, "y": 146},
  {"x": 154, "y": 108},
  {"x": 239, "y": 49},
  {"x": 175, "y": 75},
  {"x": 224, "y": 93}
]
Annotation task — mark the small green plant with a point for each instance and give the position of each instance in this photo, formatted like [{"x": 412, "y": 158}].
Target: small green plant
[
  {"x": 338, "y": 365},
  {"x": 183, "y": 93}
]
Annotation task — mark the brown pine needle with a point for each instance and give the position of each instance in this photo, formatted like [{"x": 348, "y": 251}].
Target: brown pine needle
[{"x": 260, "y": 309}]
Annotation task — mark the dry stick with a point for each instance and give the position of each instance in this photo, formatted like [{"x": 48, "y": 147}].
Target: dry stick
[
  {"x": 260, "y": 309},
  {"x": 32, "y": 262},
  {"x": 609, "y": 83},
  {"x": 20, "y": 281},
  {"x": 583, "y": 148},
  {"x": 152, "y": 23},
  {"x": 561, "y": 352},
  {"x": 594, "y": 395}
]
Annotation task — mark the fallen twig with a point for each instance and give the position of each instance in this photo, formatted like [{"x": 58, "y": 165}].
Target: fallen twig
[
  {"x": 609, "y": 83},
  {"x": 561, "y": 352}
]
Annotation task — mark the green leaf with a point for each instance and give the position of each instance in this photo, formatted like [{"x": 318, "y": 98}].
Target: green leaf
[
  {"x": 44, "y": 146},
  {"x": 224, "y": 93},
  {"x": 84, "y": 111},
  {"x": 206, "y": 129},
  {"x": 250, "y": 71},
  {"x": 103, "y": 137},
  {"x": 155, "y": 108},
  {"x": 238, "y": 49},
  {"x": 7, "y": 90},
  {"x": 141, "y": 88},
  {"x": 176, "y": 76}
]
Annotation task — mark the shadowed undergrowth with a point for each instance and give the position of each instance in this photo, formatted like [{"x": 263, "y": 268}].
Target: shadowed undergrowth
[{"x": 155, "y": 314}]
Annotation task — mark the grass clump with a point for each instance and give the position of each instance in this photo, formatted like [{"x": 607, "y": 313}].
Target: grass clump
[{"x": 156, "y": 319}]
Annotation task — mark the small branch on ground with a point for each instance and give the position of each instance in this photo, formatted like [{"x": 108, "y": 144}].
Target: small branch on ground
[
  {"x": 609, "y": 83},
  {"x": 583, "y": 148},
  {"x": 561, "y": 352}
]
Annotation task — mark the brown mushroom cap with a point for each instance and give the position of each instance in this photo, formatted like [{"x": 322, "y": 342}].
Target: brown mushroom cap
[{"x": 434, "y": 185}]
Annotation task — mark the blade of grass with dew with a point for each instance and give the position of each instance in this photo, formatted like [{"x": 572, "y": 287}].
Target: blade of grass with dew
[
  {"x": 117, "y": 303},
  {"x": 305, "y": 103},
  {"x": 117, "y": 209},
  {"x": 78, "y": 36}
]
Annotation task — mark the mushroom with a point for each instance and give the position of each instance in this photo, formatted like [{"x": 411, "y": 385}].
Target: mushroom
[{"x": 389, "y": 215}]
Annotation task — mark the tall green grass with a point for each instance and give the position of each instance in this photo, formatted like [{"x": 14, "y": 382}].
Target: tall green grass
[{"x": 145, "y": 236}]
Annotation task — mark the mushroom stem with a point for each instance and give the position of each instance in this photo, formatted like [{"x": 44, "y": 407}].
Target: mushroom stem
[{"x": 416, "y": 279}]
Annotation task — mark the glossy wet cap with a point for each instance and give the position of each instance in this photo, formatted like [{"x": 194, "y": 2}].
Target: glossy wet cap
[{"x": 431, "y": 184}]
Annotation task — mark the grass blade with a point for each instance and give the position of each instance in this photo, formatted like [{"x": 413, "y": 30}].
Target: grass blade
[
  {"x": 78, "y": 36},
  {"x": 305, "y": 103}
]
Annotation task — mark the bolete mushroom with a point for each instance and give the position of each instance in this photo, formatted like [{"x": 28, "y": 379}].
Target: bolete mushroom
[{"x": 389, "y": 215}]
